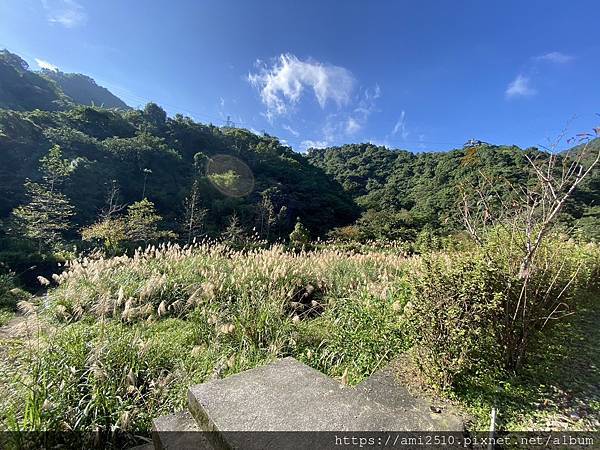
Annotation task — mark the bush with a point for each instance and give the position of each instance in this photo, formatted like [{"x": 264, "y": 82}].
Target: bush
[
  {"x": 454, "y": 318},
  {"x": 472, "y": 315}
]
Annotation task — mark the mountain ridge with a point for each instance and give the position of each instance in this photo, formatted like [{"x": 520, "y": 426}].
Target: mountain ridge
[{"x": 23, "y": 89}]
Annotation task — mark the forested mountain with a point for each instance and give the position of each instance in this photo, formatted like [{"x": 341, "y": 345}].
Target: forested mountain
[
  {"x": 24, "y": 90},
  {"x": 402, "y": 193},
  {"x": 149, "y": 155},
  {"x": 70, "y": 171},
  {"x": 83, "y": 90}
]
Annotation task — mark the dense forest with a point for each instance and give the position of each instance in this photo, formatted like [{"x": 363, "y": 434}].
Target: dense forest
[
  {"x": 77, "y": 162},
  {"x": 403, "y": 193}
]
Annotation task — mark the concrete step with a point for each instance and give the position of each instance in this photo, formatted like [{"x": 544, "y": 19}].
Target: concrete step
[
  {"x": 385, "y": 388},
  {"x": 290, "y": 396},
  {"x": 179, "y": 431}
]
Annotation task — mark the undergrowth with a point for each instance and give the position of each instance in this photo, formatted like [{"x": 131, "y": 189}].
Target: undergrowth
[{"x": 129, "y": 335}]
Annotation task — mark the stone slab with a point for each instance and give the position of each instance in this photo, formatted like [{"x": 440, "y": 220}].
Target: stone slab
[
  {"x": 179, "y": 431},
  {"x": 290, "y": 396},
  {"x": 384, "y": 388}
]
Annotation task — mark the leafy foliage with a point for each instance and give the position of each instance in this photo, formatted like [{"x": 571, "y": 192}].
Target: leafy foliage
[
  {"x": 401, "y": 192},
  {"x": 299, "y": 237},
  {"x": 462, "y": 318},
  {"x": 83, "y": 90},
  {"x": 148, "y": 155}
]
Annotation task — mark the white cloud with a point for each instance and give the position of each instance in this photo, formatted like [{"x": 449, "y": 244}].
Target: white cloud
[
  {"x": 380, "y": 143},
  {"x": 520, "y": 87},
  {"x": 282, "y": 85},
  {"x": 400, "y": 126},
  {"x": 555, "y": 57},
  {"x": 291, "y": 130},
  {"x": 67, "y": 13},
  {"x": 305, "y": 145},
  {"x": 352, "y": 126},
  {"x": 359, "y": 117},
  {"x": 45, "y": 65}
]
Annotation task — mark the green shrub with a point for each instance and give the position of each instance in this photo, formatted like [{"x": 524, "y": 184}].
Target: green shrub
[
  {"x": 472, "y": 314},
  {"x": 454, "y": 318},
  {"x": 10, "y": 295}
]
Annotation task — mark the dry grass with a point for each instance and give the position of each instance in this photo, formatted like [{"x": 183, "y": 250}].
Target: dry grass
[{"x": 171, "y": 281}]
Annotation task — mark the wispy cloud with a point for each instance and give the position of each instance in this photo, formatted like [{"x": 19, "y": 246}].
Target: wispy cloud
[
  {"x": 400, "y": 126},
  {"x": 352, "y": 126},
  {"x": 282, "y": 85},
  {"x": 305, "y": 145},
  {"x": 555, "y": 57},
  {"x": 520, "y": 87},
  {"x": 67, "y": 13},
  {"x": 42, "y": 64},
  {"x": 365, "y": 107},
  {"x": 291, "y": 130}
]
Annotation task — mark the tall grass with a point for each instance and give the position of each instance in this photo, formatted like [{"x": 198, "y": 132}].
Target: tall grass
[{"x": 132, "y": 333}]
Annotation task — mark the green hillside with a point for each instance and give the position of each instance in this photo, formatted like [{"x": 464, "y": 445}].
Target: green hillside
[
  {"x": 22, "y": 89},
  {"x": 83, "y": 90},
  {"x": 401, "y": 193}
]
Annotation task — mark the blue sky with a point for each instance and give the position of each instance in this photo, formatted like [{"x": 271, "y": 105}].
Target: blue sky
[{"x": 418, "y": 75}]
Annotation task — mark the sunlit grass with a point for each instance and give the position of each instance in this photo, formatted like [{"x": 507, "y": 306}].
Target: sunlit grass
[{"x": 123, "y": 338}]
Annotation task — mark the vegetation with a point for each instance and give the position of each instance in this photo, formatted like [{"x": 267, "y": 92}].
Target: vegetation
[
  {"x": 170, "y": 252},
  {"x": 9, "y": 295},
  {"x": 135, "y": 331},
  {"x": 83, "y": 90},
  {"x": 403, "y": 194},
  {"x": 113, "y": 160}
]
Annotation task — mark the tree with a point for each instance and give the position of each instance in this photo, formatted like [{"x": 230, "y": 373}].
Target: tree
[
  {"x": 45, "y": 217},
  {"x": 200, "y": 161},
  {"x": 194, "y": 213},
  {"x": 142, "y": 223},
  {"x": 266, "y": 215},
  {"x": 54, "y": 168},
  {"x": 522, "y": 216},
  {"x": 112, "y": 206},
  {"x": 155, "y": 115},
  {"x": 299, "y": 237},
  {"x": 47, "y": 214},
  {"x": 111, "y": 232},
  {"x": 146, "y": 173},
  {"x": 234, "y": 234}
]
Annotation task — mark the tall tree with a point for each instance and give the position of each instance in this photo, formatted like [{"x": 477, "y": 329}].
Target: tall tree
[
  {"x": 55, "y": 168},
  {"x": 142, "y": 223},
  {"x": 194, "y": 213},
  {"x": 266, "y": 215},
  {"x": 44, "y": 218},
  {"x": 47, "y": 214}
]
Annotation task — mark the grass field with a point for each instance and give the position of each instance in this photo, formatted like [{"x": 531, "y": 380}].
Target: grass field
[{"x": 117, "y": 341}]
